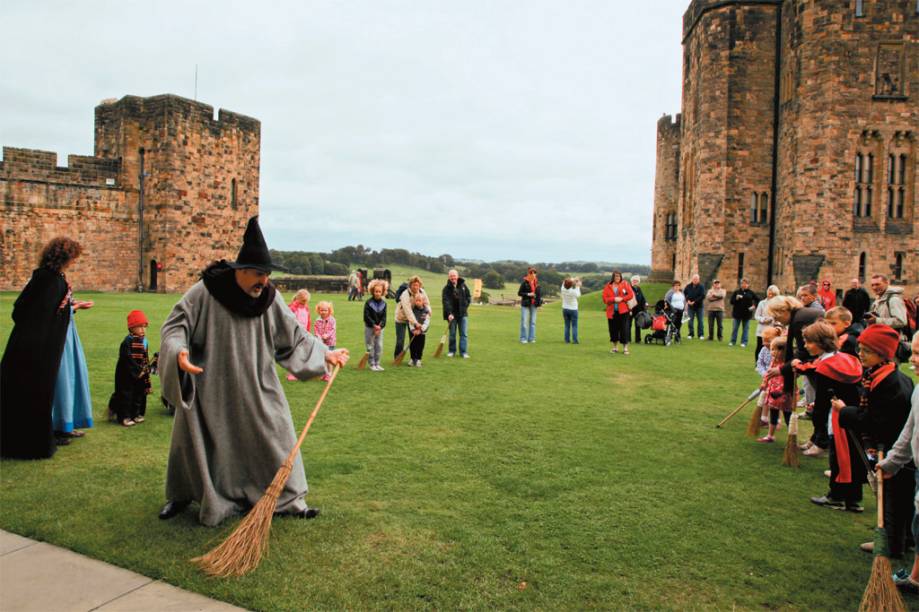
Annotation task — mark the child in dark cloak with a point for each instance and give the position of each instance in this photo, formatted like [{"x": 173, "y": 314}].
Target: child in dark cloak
[{"x": 132, "y": 374}]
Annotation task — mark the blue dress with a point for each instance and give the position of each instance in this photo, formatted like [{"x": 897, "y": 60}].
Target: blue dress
[{"x": 72, "y": 407}]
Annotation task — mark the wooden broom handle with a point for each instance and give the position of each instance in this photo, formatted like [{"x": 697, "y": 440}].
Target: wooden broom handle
[
  {"x": 293, "y": 454},
  {"x": 880, "y": 494}
]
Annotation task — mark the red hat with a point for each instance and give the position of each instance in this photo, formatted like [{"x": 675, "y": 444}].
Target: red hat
[
  {"x": 882, "y": 339},
  {"x": 137, "y": 318}
]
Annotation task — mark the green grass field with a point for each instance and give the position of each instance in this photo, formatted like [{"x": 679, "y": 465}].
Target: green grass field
[{"x": 540, "y": 476}]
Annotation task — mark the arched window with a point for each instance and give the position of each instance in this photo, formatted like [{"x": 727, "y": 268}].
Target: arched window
[
  {"x": 764, "y": 208},
  {"x": 898, "y": 266},
  {"x": 739, "y": 267},
  {"x": 859, "y": 8},
  {"x": 897, "y": 184},
  {"x": 862, "y": 263},
  {"x": 754, "y": 209},
  {"x": 864, "y": 173},
  {"x": 233, "y": 203}
]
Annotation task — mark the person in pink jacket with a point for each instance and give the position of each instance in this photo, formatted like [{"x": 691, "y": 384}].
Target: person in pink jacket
[
  {"x": 300, "y": 306},
  {"x": 324, "y": 327}
]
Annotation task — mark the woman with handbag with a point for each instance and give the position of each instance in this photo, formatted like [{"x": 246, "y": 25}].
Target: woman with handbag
[
  {"x": 619, "y": 299},
  {"x": 640, "y": 305}
]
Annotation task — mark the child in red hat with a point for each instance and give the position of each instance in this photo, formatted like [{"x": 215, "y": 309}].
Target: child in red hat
[{"x": 132, "y": 374}]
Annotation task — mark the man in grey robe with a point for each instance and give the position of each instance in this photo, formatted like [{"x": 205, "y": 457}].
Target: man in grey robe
[{"x": 233, "y": 428}]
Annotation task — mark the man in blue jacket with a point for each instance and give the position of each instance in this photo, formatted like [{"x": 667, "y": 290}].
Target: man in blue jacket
[{"x": 695, "y": 300}]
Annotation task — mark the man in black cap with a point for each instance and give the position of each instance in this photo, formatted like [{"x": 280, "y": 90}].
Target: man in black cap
[{"x": 233, "y": 427}]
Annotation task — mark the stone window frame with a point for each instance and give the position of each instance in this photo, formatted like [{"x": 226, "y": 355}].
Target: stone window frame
[
  {"x": 903, "y": 78},
  {"x": 759, "y": 208},
  {"x": 863, "y": 189},
  {"x": 859, "y": 8},
  {"x": 862, "y": 266},
  {"x": 670, "y": 226},
  {"x": 234, "y": 204},
  {"x": 898, "y": 258},
  {"x": 898, "y": 177},
  {"x": 740, "y": 266}
]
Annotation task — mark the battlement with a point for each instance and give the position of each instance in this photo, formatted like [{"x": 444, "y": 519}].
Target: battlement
[
  {"x": 155, "y": 107},
  {"x": 669, "y": 123},
  {"x": 698, "y": 8},
  {"x": 37, "y": 165}
]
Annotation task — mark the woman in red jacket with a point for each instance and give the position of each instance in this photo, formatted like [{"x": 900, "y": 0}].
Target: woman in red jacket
[{"x": 616, "y": 296}]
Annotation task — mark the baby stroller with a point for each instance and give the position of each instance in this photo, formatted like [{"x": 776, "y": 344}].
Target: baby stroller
[{"x": 663, "y": 329}]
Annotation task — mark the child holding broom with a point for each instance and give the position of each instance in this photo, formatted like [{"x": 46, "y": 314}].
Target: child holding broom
[
  {"x": 777, "y": 400},
  {"x": 374, "y": 322},
  {"x": 324, "y": 327},
  {"x": 422, "y": 313},
  {"x": 764, "y": 362}
]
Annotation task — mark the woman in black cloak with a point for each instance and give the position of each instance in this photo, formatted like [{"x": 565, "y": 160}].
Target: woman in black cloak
[{"x": 32, "y": 357}]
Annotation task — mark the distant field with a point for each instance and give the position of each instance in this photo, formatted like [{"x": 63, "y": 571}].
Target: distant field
[{"x": 530, "y": 477}]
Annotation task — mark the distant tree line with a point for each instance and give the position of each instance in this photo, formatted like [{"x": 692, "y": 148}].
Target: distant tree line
[{"x": 493, "y": 274}]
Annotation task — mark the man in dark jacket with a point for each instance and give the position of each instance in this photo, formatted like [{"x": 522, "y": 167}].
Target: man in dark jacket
[
  {"x": 456, "y": 300},
  {"x": 857, "y": 301},
  {"x": 695, "y": 300},
  {"x": 880, "y": 418},
  {"x": 743, "y": 303}
]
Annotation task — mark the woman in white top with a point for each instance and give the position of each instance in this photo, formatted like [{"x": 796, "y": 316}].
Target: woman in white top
[
  {"x": 763, "y": 320},
  {"x": 571, "y": 291}
]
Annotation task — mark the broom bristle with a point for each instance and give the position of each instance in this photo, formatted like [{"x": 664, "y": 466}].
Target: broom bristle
[
  {"x": 790, "y": 458},
  {"x": 881, "y": 594},
  {"x": 399, "y": 358},
  {"x": 363, "y": 362},
  {"x": 440, "y": 348},
  {"x": 755, "y": 423},
  {"x": 241, "y": 553}
]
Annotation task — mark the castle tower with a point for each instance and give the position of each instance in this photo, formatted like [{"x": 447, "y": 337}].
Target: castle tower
[
  {"x": 847, "y": 157},
  {"x": 199, "y": 179},
  {"x": 666, "y": 196},
  {"x": 726, "y": 144}
]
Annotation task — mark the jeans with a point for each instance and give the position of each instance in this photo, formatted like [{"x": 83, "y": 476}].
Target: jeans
[
  {"x": 463, "y": 325},
  {"x": 746, "y": 330},
  {"x": 528, "y": 323},
  {"x": 571, "y": 325},
  {"x": 713, "y": 317},
  {"x": 401, "y": 329},
  {"x": 696, "y": 313},
  {"x": 374, "y": 345}
]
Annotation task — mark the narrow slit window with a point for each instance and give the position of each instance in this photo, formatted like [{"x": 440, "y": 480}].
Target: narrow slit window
[{"x": 862, "y": 263}]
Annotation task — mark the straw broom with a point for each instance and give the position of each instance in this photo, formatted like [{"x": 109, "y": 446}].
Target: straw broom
[
  {"x": 749, "y": 399},
  {"x": 443, "y": 341},
  {"x": 401, "y": 356},
  {"x": 363, "y": 362},
  {"x": 755, "y": 421},
  {"x": 881, "y": 593},
  {"x": 790, "y": 457},
  {"x": 243, "y": 550}
]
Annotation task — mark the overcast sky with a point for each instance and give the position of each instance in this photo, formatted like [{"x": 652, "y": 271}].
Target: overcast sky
[{"x": 483, "y": 129}]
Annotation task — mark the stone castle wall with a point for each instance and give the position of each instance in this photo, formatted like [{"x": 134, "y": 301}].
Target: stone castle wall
[
  {"x": 834, "y": 103},
  {"x": 200, "y": 185},
  {"x": 666, "y": 182}
]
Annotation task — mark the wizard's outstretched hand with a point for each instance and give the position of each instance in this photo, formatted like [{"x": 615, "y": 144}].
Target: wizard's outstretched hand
[
  {"x": 337, "y": 357},
  {"x": 185, "y": 365}
]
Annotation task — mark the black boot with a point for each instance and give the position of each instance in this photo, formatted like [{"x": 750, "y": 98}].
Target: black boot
[{"x": 172, "y": 508}]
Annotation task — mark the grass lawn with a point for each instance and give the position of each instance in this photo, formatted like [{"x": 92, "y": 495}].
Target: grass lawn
[{"x": 542, "y": 476}]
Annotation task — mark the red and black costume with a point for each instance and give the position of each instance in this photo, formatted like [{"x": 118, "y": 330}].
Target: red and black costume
[{"x": 132, "y": 379}]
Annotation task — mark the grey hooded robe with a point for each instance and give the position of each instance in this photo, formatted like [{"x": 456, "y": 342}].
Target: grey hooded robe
[{"x": 233, "y": 427}]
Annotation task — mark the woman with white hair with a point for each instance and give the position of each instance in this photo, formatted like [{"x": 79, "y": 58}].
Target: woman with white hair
[
  {"x": 763, "y": 320},
  {"x": 640, "y": 306}
]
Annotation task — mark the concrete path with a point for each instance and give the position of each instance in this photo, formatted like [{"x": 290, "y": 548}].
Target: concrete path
[{"x": 41, "y": 577}]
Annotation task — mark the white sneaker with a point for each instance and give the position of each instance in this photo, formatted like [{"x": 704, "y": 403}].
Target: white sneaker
[
  {"x": 465, "y": 355},
  {"x": 418, "y": 364},
  {"x": 532, "y": 341},
  {"x": 379, "y": 368},
  {"x": 450, "y": 354},
  {"x": 743, "y": 346},
  {"x": 523, "y": 342},
  {"x": 701, "y": 337},
  {"x": 730, "y": 344},
  {"x": 411, "y": 363}
]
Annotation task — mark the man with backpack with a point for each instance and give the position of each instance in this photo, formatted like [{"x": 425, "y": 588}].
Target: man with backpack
[{"x": 889, "y": 308}]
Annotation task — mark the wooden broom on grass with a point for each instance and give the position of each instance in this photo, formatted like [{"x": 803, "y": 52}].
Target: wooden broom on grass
[
  {"x": 749, "y": 399},
  {"x": 755, "y": 421},
  {"x": 443, "y": 341},
  {"x": 401, "y": 356},
  {"x": 881, "y": 593},
  {"x": 243, "y": 550},
  {"x": 363, "y": 362}
]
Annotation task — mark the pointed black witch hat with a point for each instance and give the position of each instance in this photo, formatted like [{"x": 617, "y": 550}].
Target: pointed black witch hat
[{"x": 254, "y": 251}]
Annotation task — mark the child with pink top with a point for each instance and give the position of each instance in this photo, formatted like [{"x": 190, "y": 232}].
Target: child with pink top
[
  {"x": 324, "y": 327},
  {"x": 300, "y": 306}
]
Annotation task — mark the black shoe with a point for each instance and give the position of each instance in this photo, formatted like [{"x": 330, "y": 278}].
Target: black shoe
[
  {"x": 854, "y": 507},
  {"x": 62, "y": 441},
  {"x": 829, "y": 502},
  {"x": 172, "y": 508},
  {"x": 306, "y": 513}
]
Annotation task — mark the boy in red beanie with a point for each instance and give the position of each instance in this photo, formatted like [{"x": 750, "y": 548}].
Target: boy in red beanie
[
  {"x": 132, "y": 374},
  {"x": 878, "y": 421}
]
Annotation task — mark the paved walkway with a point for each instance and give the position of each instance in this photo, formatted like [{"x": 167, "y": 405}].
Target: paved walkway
[{"x": 41, "y": 577}]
